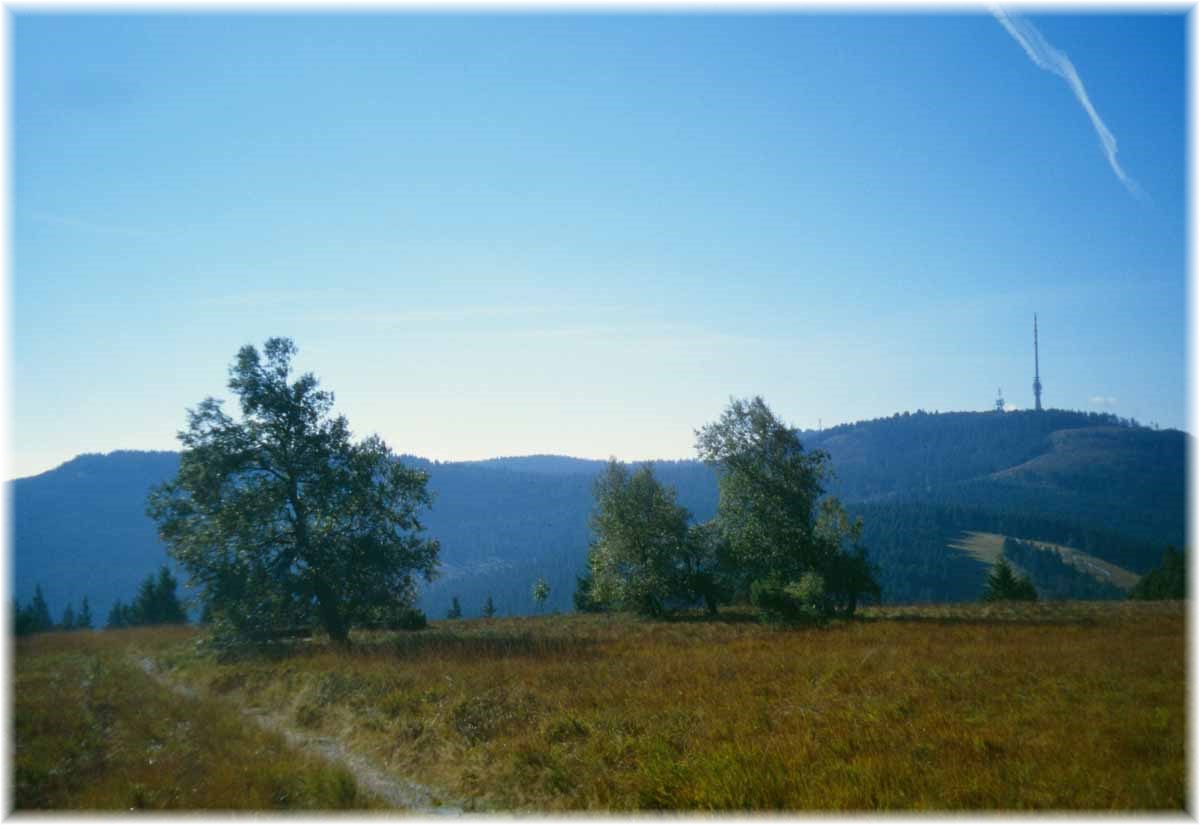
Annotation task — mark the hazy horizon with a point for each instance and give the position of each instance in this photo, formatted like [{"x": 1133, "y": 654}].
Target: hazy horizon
[
  {"x": 505, "y": 235},
  {"x": 536, "y": 454}
]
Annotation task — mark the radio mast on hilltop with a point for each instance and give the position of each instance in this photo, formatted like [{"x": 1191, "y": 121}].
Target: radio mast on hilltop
[{"x": 1037, "y": 381}]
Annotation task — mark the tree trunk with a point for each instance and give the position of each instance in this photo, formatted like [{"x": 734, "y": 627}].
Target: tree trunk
[{"x": 331, "y": 616}]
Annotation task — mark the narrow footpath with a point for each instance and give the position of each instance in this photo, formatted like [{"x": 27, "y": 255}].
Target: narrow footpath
[{"x": 403, "y": 794}]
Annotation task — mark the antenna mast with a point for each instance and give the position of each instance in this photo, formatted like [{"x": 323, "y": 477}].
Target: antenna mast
[{"x": 1037, "y": 381}]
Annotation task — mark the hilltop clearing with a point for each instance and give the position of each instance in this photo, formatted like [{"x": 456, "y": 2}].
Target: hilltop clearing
[{"x": 989, "y": 547}]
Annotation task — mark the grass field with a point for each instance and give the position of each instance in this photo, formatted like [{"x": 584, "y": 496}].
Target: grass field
[
  {"x": 93, "y": 732},
  {"x": 1077, "y": 706},
  {"x": 989, "y": 547}
]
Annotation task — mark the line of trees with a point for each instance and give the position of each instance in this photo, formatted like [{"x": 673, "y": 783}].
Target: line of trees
[
  {"x": 777, "y": 541},
  {"x": 157, "y": 602},
  {"x": 34, "y": 617}
]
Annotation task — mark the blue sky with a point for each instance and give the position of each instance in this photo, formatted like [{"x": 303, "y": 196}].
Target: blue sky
[{"x": 582, "y": 234}]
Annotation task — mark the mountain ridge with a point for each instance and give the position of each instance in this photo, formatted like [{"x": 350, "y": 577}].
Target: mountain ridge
[{"x": 507, "y": 520}]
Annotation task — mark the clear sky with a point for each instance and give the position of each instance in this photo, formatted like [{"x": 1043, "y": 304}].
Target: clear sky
[{"x": 583, "y": 234}]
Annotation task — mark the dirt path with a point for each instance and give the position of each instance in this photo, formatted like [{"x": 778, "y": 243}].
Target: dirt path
[{"x": 400, "y": 793}]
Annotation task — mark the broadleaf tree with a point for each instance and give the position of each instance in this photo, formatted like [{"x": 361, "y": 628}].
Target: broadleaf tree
[
  {"x": 640, "y": 549},
  {"x": 281, "y": 519},
  {"x": 772, "y": 510}
]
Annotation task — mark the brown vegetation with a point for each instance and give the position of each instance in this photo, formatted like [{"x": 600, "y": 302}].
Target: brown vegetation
[
  {"x": 1067, "y": 706},
  {"x": 94, "y": 732}
]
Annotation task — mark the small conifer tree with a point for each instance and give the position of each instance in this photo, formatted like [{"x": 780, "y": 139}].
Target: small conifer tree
[
  {"x": 1003, "y": 585},
  {"x": 39, "y": 612},
  {"x": 489, "y": 607},
  {"x": 455, "y": 611},
  {"x": 118, "y": 616}
]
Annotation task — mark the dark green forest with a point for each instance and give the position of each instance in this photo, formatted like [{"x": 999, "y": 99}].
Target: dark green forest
[{"x": 1093, "y": 482}]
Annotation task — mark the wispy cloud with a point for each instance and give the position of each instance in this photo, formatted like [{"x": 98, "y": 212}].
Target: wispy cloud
[
  {"x": 1045, "y": 56},
  {"x": 1106, "y": 401}
]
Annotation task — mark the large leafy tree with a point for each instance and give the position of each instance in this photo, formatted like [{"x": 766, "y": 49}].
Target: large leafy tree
[
  {"x": 280, "y": 518},
  {"x": 769, "y": 487},
  {"x": 640, "y": 541},
  {"x": 772, "y": 512}
]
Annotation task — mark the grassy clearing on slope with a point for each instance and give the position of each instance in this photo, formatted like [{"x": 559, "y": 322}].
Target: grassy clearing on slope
[
  {"x": 1077, "y": 706},
  {"x": 94, "y": 732},
  {"x": 989, "y": 547}
]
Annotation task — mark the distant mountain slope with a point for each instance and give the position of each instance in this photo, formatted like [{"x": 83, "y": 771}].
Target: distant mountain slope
[
  {"x": 81, "y": 529},
  {"x": 1116, "y": 492},
  {"x": 920, "y": 452}
]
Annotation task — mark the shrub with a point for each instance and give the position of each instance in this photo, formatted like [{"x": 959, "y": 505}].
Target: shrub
[
  {"x": 409, "y": 618},
  {"x": 802, "y": 600}
]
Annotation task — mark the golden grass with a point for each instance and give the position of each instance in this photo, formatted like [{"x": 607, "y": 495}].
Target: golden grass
[
  {"x": 94, "y": 732},
  {"x": 1046, "y": 706}
]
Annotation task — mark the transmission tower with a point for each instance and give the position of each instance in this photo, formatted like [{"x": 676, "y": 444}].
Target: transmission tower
[{"x": 1037, "y": 380}]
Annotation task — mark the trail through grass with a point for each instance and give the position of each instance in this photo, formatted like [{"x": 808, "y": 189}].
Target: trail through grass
[
  {"x": 399, "y": 793},
  {"x": 92, "y": 732},
  {"x": 1077, "y": 706}
]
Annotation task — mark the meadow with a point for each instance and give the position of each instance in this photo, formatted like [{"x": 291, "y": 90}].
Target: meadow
[
  {"x": 92, "y": 731},
  {"x": 1071, "y": 706}
]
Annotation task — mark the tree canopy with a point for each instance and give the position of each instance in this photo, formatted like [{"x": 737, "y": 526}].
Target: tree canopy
[
  {"x": 769, "y": 487},
  {"x": 640, "y": 541},
  {"x": 772, "y": 512},
  {"x": 282, "y": 519},
  {"x": 1167, "y": 581}
]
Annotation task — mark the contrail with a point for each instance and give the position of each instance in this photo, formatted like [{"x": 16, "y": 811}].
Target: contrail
[{"x": 1045, "y": 56}]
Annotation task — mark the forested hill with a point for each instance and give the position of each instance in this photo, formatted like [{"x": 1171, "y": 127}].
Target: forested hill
[{"x": 1115, "y": 490}]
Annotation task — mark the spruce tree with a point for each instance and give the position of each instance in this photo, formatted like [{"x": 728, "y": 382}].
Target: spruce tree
[
  {"x": 1005, "y": 586},
  {"x": 118, "y": 616},
  {"x": 39, "y": 612},
  {"x": 489, "y": 607},
  {"x": 455, "y": 611}
]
